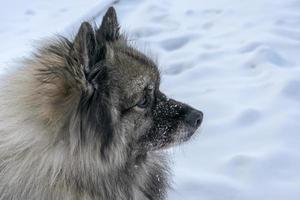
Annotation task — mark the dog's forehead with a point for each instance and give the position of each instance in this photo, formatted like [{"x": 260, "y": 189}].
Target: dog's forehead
[
  {"x": 135, "y": 78},
  {"x": 135, "y": 70}
]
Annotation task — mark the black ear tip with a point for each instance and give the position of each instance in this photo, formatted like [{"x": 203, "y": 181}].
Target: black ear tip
[
  {"x": 85, "y": 27},
  {"x": 109, "y": 28},
  {"x": 111, "y": 11}
]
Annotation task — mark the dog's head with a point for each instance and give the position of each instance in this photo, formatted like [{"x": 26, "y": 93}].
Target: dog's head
[
  {"x": 125, "y": 86},
  {"x": 119, "y": 100}
]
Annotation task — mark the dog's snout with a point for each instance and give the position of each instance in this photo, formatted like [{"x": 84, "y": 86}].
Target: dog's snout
[{"x": 194, "y": 118}]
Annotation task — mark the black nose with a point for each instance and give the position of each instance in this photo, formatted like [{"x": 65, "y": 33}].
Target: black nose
[{"x": 194, "y": 118}]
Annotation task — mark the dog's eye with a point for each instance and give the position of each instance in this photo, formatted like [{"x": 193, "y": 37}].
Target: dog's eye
[{"x": 144, "y": 102}]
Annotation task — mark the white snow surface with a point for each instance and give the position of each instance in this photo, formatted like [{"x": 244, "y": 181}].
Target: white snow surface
[{"x": 237, "y": 61}]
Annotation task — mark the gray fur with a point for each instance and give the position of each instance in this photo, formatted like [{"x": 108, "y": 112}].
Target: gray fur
[{"x": 73, "y": 126}]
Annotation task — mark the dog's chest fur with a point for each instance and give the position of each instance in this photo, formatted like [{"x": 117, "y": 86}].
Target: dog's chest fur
[
  {"x": 144, "y": 179},
  {"x": 151, "y": 177}
]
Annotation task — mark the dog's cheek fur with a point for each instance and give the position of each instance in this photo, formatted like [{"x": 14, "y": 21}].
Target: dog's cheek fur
[{"x": 140, "y": 120}]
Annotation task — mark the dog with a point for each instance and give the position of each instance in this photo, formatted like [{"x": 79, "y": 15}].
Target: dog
[{"x": 84, "y": 119}]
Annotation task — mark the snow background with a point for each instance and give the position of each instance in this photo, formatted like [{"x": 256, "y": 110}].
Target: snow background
[{"x": 237, "y": 61}]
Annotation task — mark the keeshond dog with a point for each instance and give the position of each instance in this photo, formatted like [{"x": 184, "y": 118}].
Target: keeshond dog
[{"x": 84, "y": 119}]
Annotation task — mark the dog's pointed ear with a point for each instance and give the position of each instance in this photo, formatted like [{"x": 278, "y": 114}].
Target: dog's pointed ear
[
  {"x": 85, "y": 44},
  {"x": 109, "y": 29}
]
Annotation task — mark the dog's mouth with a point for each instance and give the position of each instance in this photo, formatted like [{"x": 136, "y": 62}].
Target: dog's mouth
[
  {"x": 186, "y": 132},
  {"x": 188, "y": 135},
  {"x": 183, "y": 133}
]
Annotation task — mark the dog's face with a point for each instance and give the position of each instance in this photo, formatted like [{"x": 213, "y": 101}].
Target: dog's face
[
  {"x": 155, "y": 120},
  {"x": 124, "y": 92}
]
